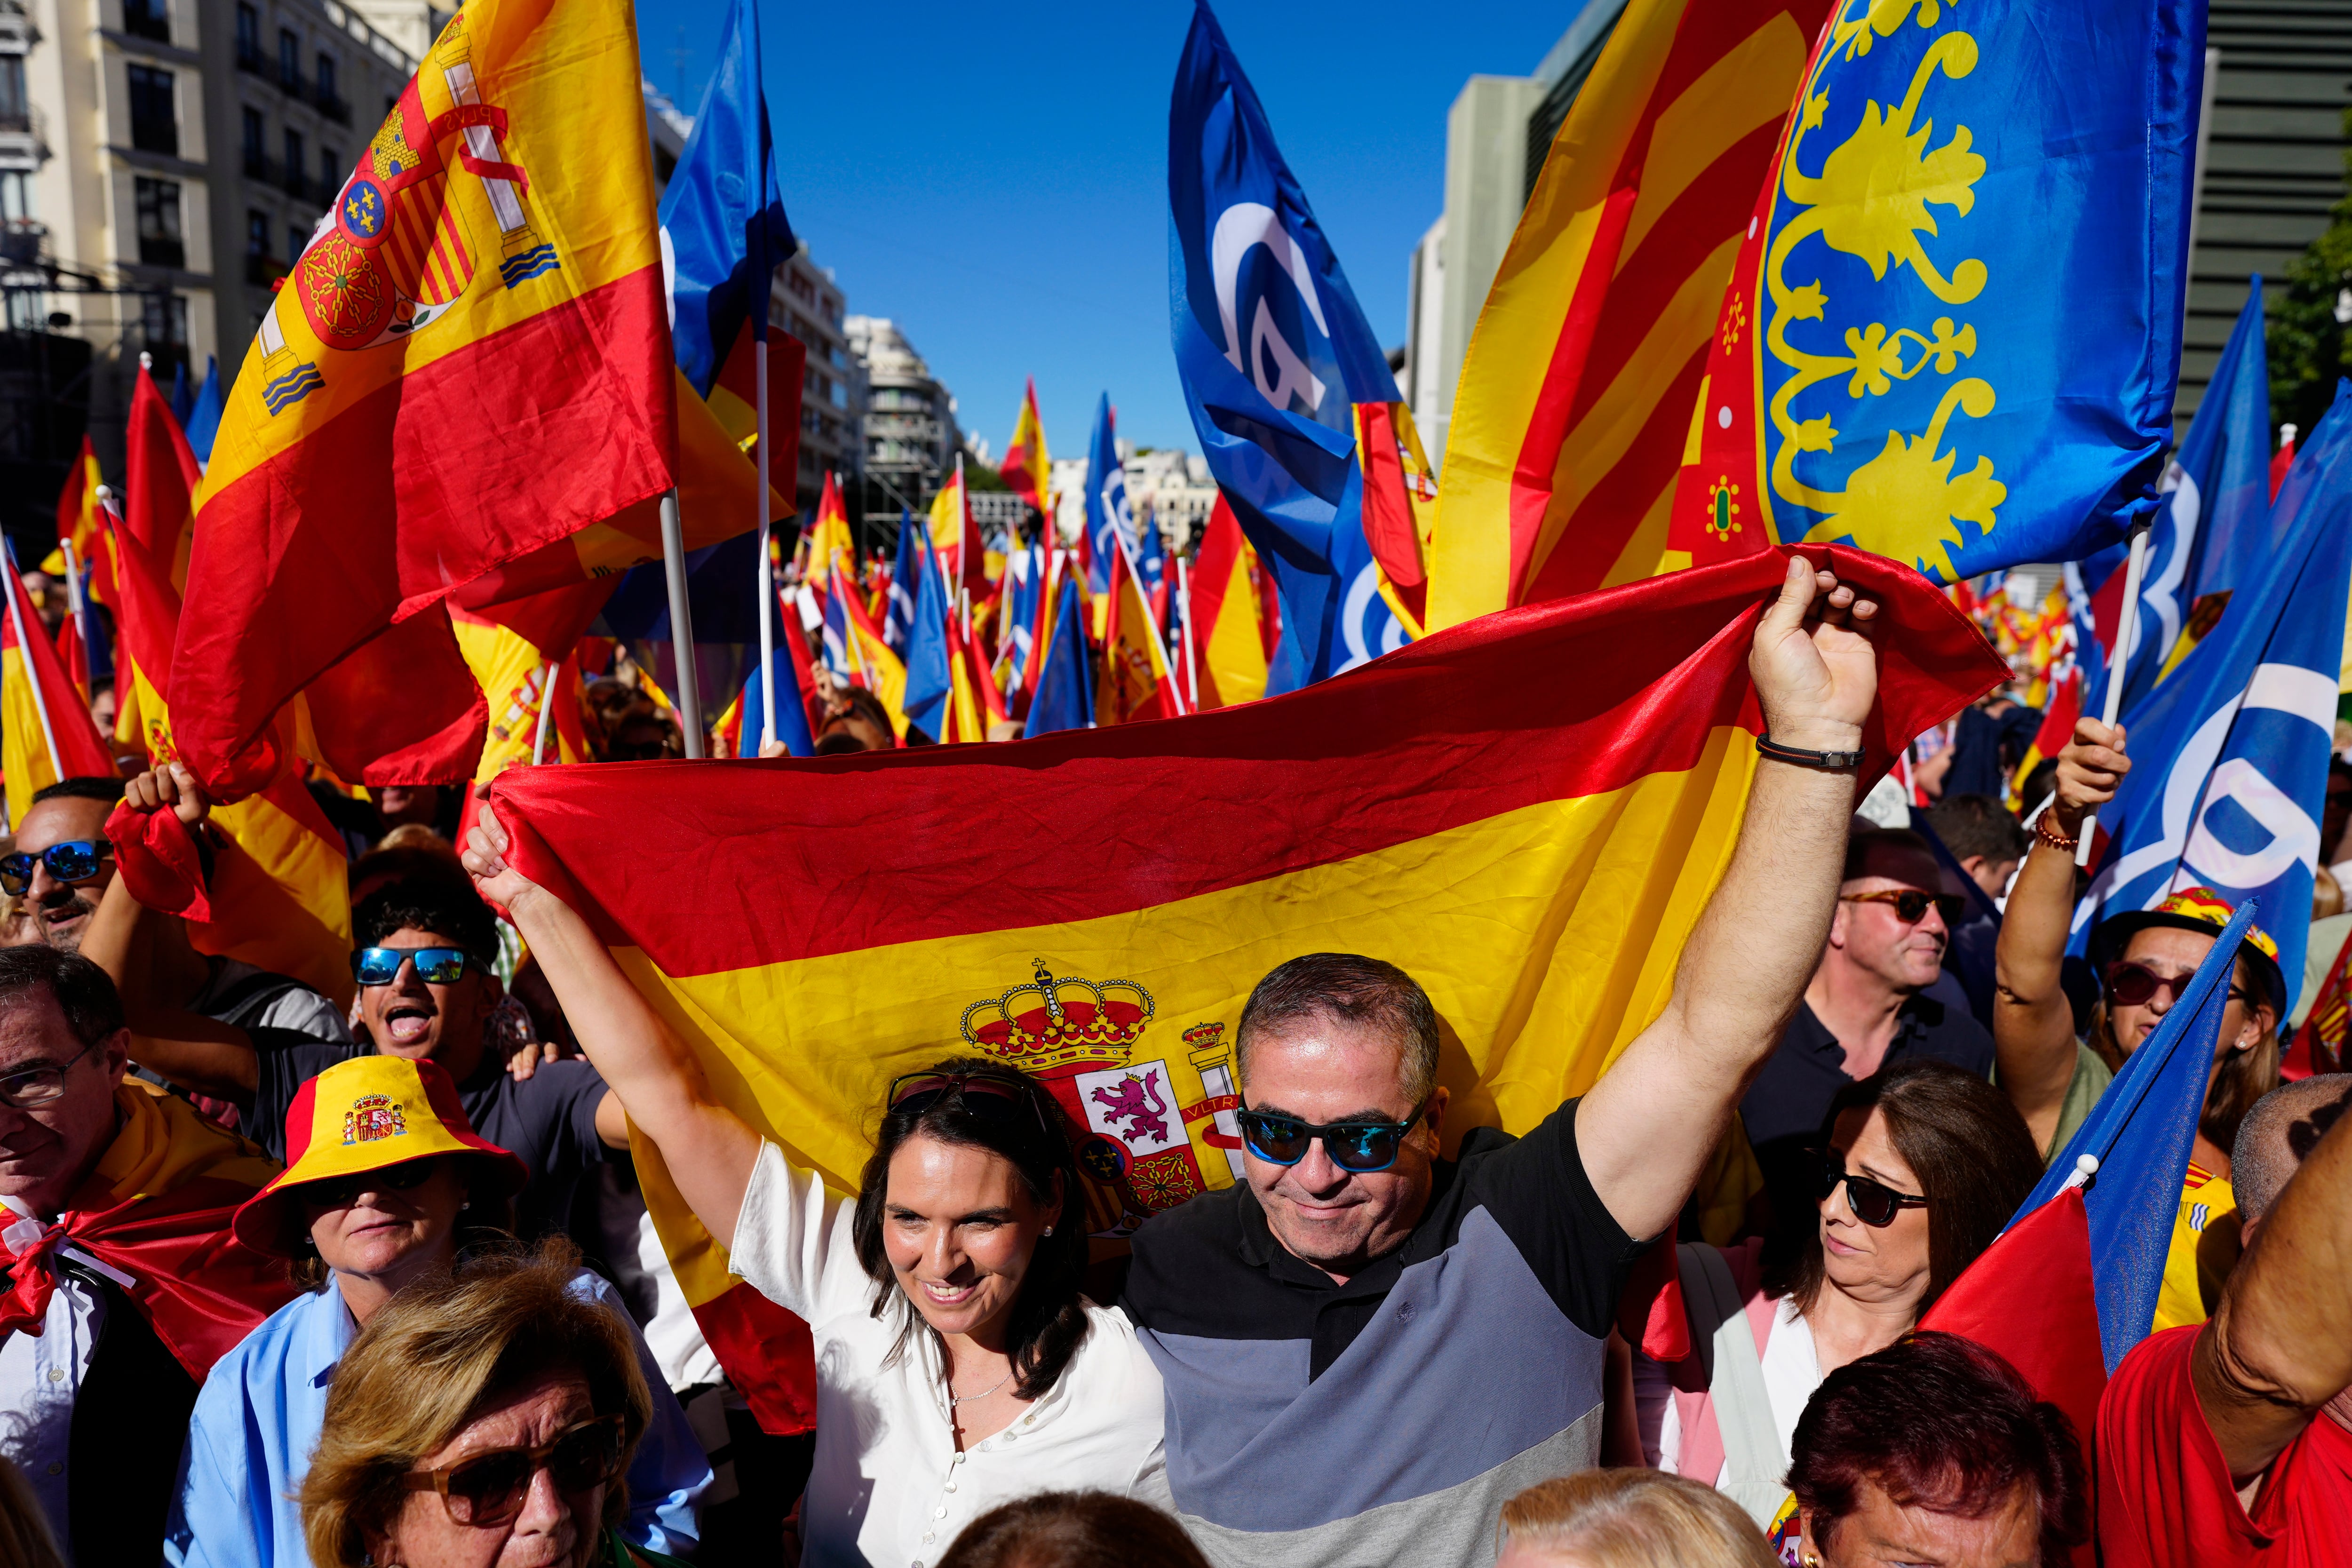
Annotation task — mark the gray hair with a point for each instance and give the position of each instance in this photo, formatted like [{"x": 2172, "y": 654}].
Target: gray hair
[
  {"x": 2279, "y": 1133},
  {"x": 1351, "y": 989}
]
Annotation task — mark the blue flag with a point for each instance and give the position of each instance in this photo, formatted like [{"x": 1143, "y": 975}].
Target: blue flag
[
  {"x": 1968, "y": 321},
  {"x": 723, "y": 229},
  {"x": 1274, "y": 353},
  {"x": 929, "y": 679},
  {"x": 1150, "y": 561},
  {"x": 184, "y": 397},
  {"x": 722, "y": 596},
  {"x": 903, "y": 584},
  {"x": 203, "y": 421},
  {"x": 2212, "y": 524},
  {"x": 792, "y": 711},
  {"x": 1066, "y": 681},
  {"x": 1025, "y": 571},
  {"x": 2229, "y": 756},
  {"x": 2137, "y": 1141},
  {"x": 1108, "y": 518}
]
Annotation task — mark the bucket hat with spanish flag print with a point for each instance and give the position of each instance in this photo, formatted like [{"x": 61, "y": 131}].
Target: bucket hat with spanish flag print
[
  {"x": 367, "y": 1114},
  {"x": 2200, "y": 909}
]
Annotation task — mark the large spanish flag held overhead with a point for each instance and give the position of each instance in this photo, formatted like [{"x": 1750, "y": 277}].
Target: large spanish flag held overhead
[
  {"x": 1534, "y": 851},
  {"x": 283, "y": 891},
  {"x": 1577, "y": 394},
  {"x": 468, "y": 361}
]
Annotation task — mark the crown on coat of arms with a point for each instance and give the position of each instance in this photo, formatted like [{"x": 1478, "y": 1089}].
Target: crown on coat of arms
[{"x": 1057, "y": 1021}]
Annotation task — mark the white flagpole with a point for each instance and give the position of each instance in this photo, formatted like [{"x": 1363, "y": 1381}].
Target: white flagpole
[
  {"x": 967, "y": 538},
  {"x": 2125, "y": 632},
  {"x": 24, "y": 659},
  {"x": 767, "y": 561},
  {"x": 546, "y": 712},
  {"x": 681, "y": 624},
  {"x": 1184, "y": 608}
]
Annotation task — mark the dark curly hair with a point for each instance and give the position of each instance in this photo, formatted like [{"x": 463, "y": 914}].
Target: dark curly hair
[
  {"x": 1941, "y": 1423},
  {"x": 1049, "y": 1318},
  {"x": 442, "y": 905}
]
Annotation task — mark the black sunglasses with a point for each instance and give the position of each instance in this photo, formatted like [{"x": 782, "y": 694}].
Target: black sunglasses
[
  {"x": 1362, "y": 1145},
  {"x": 435, "y": 966},
  {"x": 341, "y": 1192},
  {"x": 984, "y": 1099},
  {"x": 488, "y": 1489},
  {"x": 1874, "y": 1204},
  {"x": 74, "y": 860},
  {"x": 1911, "y": 904}
]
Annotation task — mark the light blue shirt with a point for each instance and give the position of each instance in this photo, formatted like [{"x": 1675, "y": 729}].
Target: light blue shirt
[{"x": 260, "y": 1415}]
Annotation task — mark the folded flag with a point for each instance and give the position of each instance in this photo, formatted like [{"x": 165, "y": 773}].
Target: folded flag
[
  {"x": 1952, "y": 332},
  {"x": 1534, "y": 851},
  {"x": 45, "y": 730},
  {"x": 2071, "y": 1285},
  {"x": 1575, "y": 410},
  {"x": 154, "y": 1218},
  {"x": 2229, "y": 756},
  {"x": 467, "y": 361}
]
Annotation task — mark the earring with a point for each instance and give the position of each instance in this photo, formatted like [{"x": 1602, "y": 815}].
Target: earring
[
  {"x": 1049, "y": 1231},
  {"x": 464, "y": 1206}
]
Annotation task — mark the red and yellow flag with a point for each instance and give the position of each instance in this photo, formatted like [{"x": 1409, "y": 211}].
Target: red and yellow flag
[
  {"x": 1137, "y": 681},
  {"x": 957, "y": 539},
  {"x": 1229, "y": 646},
  {"x": 46, "y": 729},
  {"x": 827, "y": 544},
  {"x": 1534, "y": 851},
  {"x": 79, "y": 525},
  {"x": 1026, "y": 467},
  {"x": 521, "y": 655},
  {"x": 2057, "y": 733},
  {"x": 283, "y": 889},
  {"x": 468, "y": 361},
  {"x": 1579, "y": 393}
]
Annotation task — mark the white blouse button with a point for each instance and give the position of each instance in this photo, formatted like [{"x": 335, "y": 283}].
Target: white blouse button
[
  {"x": 940, "y": 1512},
  {"x": 951, "y": 1485},
  {"x": 959, "y": 1458}
]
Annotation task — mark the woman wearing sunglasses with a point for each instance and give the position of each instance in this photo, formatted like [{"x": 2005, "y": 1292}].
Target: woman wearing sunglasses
[
  {"x": 485, "y": 1419},
  {"x": 958, "y": 1366},
  {"x": 1922, "y": 1165},
  {"x": 2143, "y": 959},
  {"x": 388, "y": 1185}
]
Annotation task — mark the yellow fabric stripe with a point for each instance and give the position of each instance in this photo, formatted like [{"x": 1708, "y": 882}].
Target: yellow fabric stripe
[
  {"x": 24, "y": 748},
  {"x": 1235, "y": 654},
  {"x": 1747, "y": 87},
  {"x": 1547, "y": 937}
]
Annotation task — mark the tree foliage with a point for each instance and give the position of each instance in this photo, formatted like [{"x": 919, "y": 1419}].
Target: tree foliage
[{"x": 2308, "y": 347}]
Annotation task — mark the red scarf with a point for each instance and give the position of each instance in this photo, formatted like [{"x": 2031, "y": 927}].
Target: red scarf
[{"x": 155, "y": 1213}]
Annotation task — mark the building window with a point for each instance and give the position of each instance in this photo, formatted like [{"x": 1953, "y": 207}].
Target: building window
[
  {"x": 256, "y": 140},
  {"x": 294, "y": 157},
  {"x": 297, "y": 237},
  {"x": 166, "y": 319},
  {"x": 256, "y": 233},
  {"x": 249, "y": 38},
  {"x": 330, "y": 171},
  {"x": 154, "y": 120},
  {"x": 323, "y": 88},
  {"x": 147, "y": 19},
  {"x": 290, "y": 62},
  {"x": 159, "y": 241},
  {"x": 15, "y": 114}
]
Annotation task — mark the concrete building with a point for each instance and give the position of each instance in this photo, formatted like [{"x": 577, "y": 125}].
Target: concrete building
[
  {"x": 180, "y": 154},
  {"x": 1171, "y": 490},
  {"x": 1496, "y": 137},
  {"x": 909, "y": 429}
]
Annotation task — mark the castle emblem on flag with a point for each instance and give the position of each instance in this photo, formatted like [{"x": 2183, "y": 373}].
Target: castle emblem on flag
[{"x": 373, "y": 1117}]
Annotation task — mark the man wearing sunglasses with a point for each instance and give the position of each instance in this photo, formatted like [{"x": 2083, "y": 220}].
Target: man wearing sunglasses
[
  {"x": 62, "y": 862},
  {"x": 1365, "y": 1348},
  {"x": 1866, "y": 1006}
]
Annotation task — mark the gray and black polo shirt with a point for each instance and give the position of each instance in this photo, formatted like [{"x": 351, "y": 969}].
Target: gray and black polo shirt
[{"x": 1386, "y": 1420}]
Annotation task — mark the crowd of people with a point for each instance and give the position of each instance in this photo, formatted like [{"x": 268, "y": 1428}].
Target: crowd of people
[{"x": 286, "y": 1283}]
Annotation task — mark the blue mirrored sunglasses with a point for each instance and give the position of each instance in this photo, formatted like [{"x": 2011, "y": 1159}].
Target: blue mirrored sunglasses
[{"x": 435, "y": 966}]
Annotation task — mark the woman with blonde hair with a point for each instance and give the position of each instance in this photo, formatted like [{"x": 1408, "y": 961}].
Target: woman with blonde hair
[
  {"x": 1627, "y": 1519},
  {"x": 481, "y": 1418}
]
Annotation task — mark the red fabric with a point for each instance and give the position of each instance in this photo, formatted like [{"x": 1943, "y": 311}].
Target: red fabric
[
  {"x": 787, "y": 371},
  {"x": 157, "y": 1209},
  {"x": 769, "y": 1355},
  {"x": 402, "y": 708},
  {"x": 81, "y": 753},
  {"x": 155, "y": 854},
  {"x": 514, "y": 441},
  {"x": 2280, "y": 461},
  {"x": 2057, "y": 731},
  {"x": 1461, "y": 726},
  {"x": 2028, "y": 1299},
  {"x": 159, "y": 501},
  {"x": 2166, "y": 1499}
]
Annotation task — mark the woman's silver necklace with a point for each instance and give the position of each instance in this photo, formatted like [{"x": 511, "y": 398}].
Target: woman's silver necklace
[{"x": 955, "y": 1399}]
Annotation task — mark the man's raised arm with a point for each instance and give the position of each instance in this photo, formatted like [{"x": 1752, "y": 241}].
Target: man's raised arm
[{"x": 1648, "y": 1126}]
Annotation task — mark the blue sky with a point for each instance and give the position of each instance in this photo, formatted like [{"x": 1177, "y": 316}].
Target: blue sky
[{"x": 995, "y": 177}]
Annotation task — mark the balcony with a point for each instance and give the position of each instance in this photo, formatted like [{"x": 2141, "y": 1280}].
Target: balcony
[{"x": 20, "y": 241}]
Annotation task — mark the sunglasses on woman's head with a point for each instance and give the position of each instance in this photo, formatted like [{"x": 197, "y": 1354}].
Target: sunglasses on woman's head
[
  {"x": 435, "y": 966},
  {"x": 488, "y": 1489},
  {"x": 984, "y": 1099},
  {"x": 1872, "y": 1202},
  {"x": 2133, "y": 984},
  {"x": 1911, "y": 904},
  {"x": 1362, "y": 1144}
]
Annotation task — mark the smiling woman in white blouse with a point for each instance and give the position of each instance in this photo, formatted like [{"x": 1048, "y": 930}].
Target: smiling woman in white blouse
[{"x": 957, "y": 1364}]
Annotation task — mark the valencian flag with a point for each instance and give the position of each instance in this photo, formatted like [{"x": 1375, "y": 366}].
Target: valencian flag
[
  {"x": 1026, "y": 469},
  {"x": 2230, "y": 757},
  {"x": 1575, "y": 408},
  {"x": 468, "y": 362},
  {"x": 1953, "y": 328},
  {"x": 46, "y": 729},
  {"x": 1276, "y": 358},
  {"x": 1229, "y": 647},
  {"x": 1534, "y": 851},
  {"x": 284, "y": 890}
]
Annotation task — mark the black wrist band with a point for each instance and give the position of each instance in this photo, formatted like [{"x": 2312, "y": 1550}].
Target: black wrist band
[{"x": 1828, "y": 761}]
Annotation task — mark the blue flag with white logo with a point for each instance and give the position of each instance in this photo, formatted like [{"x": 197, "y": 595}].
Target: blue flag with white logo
[
  {"x": 1967, "y": 307},
  {"x": 1109, "y": 520},
  {"x": 1274, "y": 353},
  {"x": 723, "y": 230},
  {"x": 2230, "y": 756},
  {"x": 2212, "y": 525},
  {"x": 903, "y": 584}
]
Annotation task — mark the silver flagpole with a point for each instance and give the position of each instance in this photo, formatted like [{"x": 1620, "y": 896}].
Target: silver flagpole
[{"x": 681, "y": 624}]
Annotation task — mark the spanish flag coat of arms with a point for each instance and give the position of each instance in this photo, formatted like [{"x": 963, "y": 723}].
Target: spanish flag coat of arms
[{"x": 468, "y": 361}]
